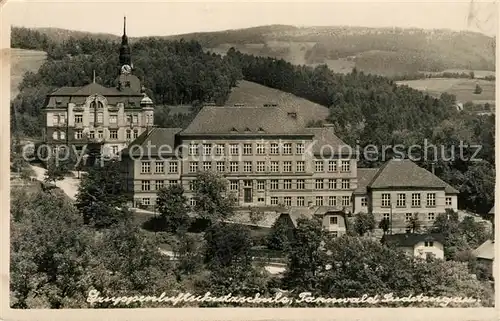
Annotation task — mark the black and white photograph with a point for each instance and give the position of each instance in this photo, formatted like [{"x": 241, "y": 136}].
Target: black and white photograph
[{"x": 270, "y": 155}]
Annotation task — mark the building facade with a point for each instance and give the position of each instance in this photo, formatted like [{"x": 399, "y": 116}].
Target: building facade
[
  {"x": 267, "y": 154},
  {"x": 94, "y": 114},
  {"x": 418, "y": 245},
  {"x": 401, "y": 190}
]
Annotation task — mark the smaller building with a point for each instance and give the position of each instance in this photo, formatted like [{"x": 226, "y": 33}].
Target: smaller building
[
  {"x": 485, "y": 253},
  {"x": 417, "y": 245}
]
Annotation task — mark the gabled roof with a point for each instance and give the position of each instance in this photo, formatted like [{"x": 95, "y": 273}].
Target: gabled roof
[
  {"x": 222, "y": 120},
  {"x": 94, "y": 88},
  {"x": 156, "y": 138},
  {"x": 485, "y": 251},
  {"x": 398, "y": 173},
  {"x": 411, "y": 239},
  {"x": 65, "y": 91},
  {"x": 365, "y": 176}
]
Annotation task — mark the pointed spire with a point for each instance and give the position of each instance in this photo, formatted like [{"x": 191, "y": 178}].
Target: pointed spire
[
  {"x": 93, "y": 76},
  {"x": 124, "y": 25}
]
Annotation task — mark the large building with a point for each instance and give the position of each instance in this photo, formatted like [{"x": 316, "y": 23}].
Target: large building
[
  {"x": 108, "y": 117},
  {"x": 268, "y": 155}
]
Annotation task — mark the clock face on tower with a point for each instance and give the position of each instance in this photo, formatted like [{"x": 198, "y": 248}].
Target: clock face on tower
[{"x": 126, "y": 69}]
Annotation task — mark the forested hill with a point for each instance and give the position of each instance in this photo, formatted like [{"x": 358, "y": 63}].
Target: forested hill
[{"x": 384, "y": 51}]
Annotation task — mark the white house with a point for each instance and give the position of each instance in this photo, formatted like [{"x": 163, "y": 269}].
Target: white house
[{"x": 417, "y": 245}]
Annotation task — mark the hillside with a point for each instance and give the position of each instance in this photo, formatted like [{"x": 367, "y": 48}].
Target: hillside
[
  {"x": 253, "y": 94},
  {"x": 21, "y": 62},
  {"x": 385, "y": 51}
]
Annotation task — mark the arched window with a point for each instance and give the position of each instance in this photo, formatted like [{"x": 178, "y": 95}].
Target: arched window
[{"x": 100, "y": 105}]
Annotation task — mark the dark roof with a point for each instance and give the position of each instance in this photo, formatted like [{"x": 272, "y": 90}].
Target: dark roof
[
  {"x": 156, "y": 138},
  {"x": 403, "y": 172},
  {"x": 411, "y": 239},
  {"x": 94, "y": 88},
  {"x": 365, "y": 176},
  {"x": 299, "y": 212},
  {"x": 245, "y": 120},
  {"x": 327, "y": 143}
]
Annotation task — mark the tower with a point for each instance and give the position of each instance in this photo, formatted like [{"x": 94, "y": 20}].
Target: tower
[{"x": 124, "y": 48}]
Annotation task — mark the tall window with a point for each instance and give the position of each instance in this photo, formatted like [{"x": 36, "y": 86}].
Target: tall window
[
  {"x": 332, "y": 183},
  {"x": 346, "y": 183},
  {"x": 346, "y": 200},
  {"x": 55, "y": 119},
  {"x": 55, "y": 135},
  {"x": 300, "y": 167},
  {"x": 319, "y": 184},
  {"x": 386, "y": 200},
  {"x": 221, "y": 166},
  {"x": 274, "y": 149},
  {"x": 233, "y": 185},
  {"x": 159, "y": 167},
  {"x": 448, "y": 201},
  {"x": 431, "y": 216},
  {"x": 99, "y": 117},
  {"x": 334, "y": 220},
  {"x": 159, "y": 185},
  {"x": 261, "y": 185},
  {"x": 275, "y": 166},
  {"x": 193, "y": 149},
  {"x": 332, "y": 201},
  {"x": 364, "y": 201},
  {"x": 346, "y": 166},
  {"x": 408, "y": 217},
  {"x": 207, "y": 149},
  {"x": 401, "y": 200},
  {"x": 261, "y": 166},
  {"x": 78, "y": 134},
  {"x": 301, "y": 184},
  {"x": 193, "y": 167},
  {"x": 113, "y": 134},
  {"x": 247, "y": 167},
  {"x": 62, "y": 135},
  {"x": 274, "y": 200},
  {"x": 274, "y": 184},
  {"x": 301, "y": 201},
  {"x": 332, "y": 165},
  {"x": 287, "y": 166},
  {"x": 146, "y": 185},
  {"x": 261, "y": 149},
  {"x": 136, "y": 133},
  {"x": 287, "y": 184},
  {"x": 78, "y": 119},
  {"x": 233, "y": 167},
  {"x": 247, "y": 149},
  {"x": 319, "y": 166},
  {"x": 287, "y": 200},
  {"x": 431, "y": 199},
  {"x": 219, "y": 149},
  {"x": 207, "y": 166},
  {"x": 100, "y": 134},
  {"x": 113, "y": 119},
  {"x": 415, "y": 199},
  {"x": 287, "y": 149},
  {"x": 145, "y": 167},
  {"x": 299, "y": 148},
  {"x": 173, "y": 167},
  {"x": 319, "y": 200},
  {"x": 234, "y": 149},
  {"x": 128, "y": 134}
]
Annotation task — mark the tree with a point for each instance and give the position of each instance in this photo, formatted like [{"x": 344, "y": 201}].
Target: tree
[
  {"x": 306, "y": 256},
  {"x": 279, "y": 238},
  {"x": 385, "y": 225},
  {"x": 100, "y": 198},
  {"x": 56, "y": 171},
  {"x": 363, "y": 223},
  {"x": 173, "y": 209},
  {"x": 478, "y": 89},
  {"x": 414, "y": 224},
  {"x": 213, "y": 202}
]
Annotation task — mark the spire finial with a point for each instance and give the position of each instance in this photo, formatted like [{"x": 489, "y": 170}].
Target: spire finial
[
  {"x": 93, "y": 77},
  {"x": 124, "y": 25}
]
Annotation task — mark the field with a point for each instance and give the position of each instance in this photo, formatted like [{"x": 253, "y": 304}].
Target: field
[
  {"x": 253, "y": 94},
  {"x": 463, "y": 89},
  {"x": 21, "y": 62}
]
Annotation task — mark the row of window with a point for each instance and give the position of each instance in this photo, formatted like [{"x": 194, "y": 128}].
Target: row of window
[
  {"x": 173, "y": 167},
  {"x": 112, "y": 119},
  {"x": 246, "y": 149},
  {"x": 158, "y": 184},
  {"x": 409, "y": 216},
  {"x": 415, "y": 200},
  {"x": 262, "y": 166},
  {"x": 319, "y": 200},
  {"x": 288, "y": 184},
  {"x": 113, "y": 134}
]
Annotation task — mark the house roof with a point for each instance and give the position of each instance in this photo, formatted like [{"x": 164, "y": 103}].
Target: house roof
[
  {"x": 156, "y": 138},
  {"x": 492, "y": 211},
  {"x": 327, "y": 143},
  {"x": 299, "y": 212},
  {"x": 485, "y": 251},
  {"x": 365, "y": 176},
  {"x": 245, "y": 120},
  {"x": 94, "y": 88},
  {"x": 398, "y": 173},
  {"x": 411, "y": 239}
]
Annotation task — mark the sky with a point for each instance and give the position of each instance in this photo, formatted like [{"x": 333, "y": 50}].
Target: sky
[{"x": 177, "y": 17}]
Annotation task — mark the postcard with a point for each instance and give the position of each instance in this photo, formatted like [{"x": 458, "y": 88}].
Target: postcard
[{"x": 249, "y": 160}]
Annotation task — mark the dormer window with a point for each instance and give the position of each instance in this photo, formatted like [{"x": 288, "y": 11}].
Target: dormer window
[
  {"x": 260, "y": 129},
  {"x": 247, "y": 129},
  {"x": 233, "y": 129}
]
